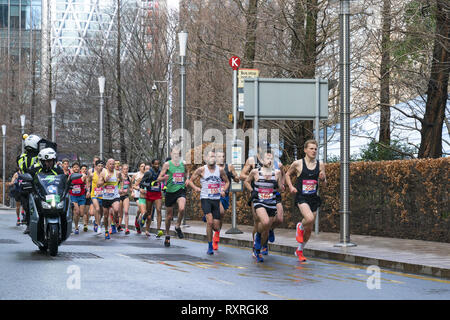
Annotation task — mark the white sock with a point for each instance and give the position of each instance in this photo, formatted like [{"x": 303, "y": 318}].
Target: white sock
[{"x": 300, "y": 247}]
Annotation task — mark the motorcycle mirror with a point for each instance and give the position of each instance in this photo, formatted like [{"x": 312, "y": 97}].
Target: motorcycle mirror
[{"x": 26, "y": 177}]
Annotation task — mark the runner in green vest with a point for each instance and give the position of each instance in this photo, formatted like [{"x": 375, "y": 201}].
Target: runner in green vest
[{"x": 177, "y": 181}]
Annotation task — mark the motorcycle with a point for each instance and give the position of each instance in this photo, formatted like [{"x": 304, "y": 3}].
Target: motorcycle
[{"x": 50, "y": 210}]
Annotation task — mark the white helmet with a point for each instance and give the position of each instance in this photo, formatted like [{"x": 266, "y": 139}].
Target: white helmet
[
  {"x": 31, "y": 142},
  {"x": 47, "y": 154}
]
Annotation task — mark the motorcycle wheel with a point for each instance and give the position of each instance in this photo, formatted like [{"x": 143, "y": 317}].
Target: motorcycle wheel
[{"x": 53, "y": 239}]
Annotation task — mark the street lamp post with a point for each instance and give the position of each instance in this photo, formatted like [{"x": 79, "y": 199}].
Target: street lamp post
[
  {"x": 4, "y": 160},
  {"x": 182, "y": 38},
  {"x": 344, "y": 81},
  {"x": 53, "y": 105},
  {"x": 101, "y": 88},
  {"x": 22, "y": 127},
  {"x": 167, "y": 114}
]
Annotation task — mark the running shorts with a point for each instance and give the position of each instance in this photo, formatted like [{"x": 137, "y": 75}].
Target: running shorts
[
  {"x": 172, "y": 197},
  {"x": 211, "y": 206}
]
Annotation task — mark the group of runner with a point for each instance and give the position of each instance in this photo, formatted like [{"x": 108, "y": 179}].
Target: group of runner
[{"x": 104, "y": 192}]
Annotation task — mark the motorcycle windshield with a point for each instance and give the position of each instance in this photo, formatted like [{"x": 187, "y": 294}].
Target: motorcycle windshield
[{"x": 51, "y": 188}]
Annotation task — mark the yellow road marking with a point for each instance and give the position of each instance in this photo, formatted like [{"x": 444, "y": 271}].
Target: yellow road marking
[{"x": 222, "y": 281}]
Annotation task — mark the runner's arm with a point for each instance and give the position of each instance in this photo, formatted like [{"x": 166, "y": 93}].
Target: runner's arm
[
  {"x": 163, "y": 172},
  {"x": 249, "y": 179},
  {"x": 224, "y": 177},
  {"x": 197, "y": 173},
  {"x": 292, "y": 170},
  {"x": 235, "y": 175},
  {"x": 247, "y": 169}
]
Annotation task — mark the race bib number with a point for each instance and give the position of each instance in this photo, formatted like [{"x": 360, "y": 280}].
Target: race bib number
[
  {"x": 178, "y": 178},
  {"x": 155, "y": 188},
  {"x": 76, "y": 189},
  {"x": 213, "y": 189},
  {"x": 126, "y": 184},
  {"x": 98, "y": 192},
  {"x": 109, "y": 189},
  {"x": 265, "y": 193},
  {"x": 309, "y": 187}
]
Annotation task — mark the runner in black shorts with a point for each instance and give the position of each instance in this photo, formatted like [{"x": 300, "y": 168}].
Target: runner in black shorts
[
  {"x": 177, "y": 179},
  {"x": 263, "y": 183},
  {"x": 308, "y": 172},
  {"x": 211, "y": 177}
]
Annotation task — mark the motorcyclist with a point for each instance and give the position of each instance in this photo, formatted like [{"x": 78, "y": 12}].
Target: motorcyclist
[
  {"x": 25, "y": 162},
  {"x": 47, "y": 163}
]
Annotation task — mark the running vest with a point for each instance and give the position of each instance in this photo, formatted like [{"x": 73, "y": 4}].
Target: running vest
[
  {"x": 111, "y": 187},
  {"x": 306, "y": 183},
  {"x": 156, "y": 187},
  {"x": 137, "y": 193},
  {"x": 126, "y": 183},
  {"x": 230, "y": 179},
  {"x": 176, "y": 177},
  {"x": 96, "y": 192},
  {"x": 78, "y": 188},
  {"x": 211, "y": 184},
  {"x": 266, "y": 189}
]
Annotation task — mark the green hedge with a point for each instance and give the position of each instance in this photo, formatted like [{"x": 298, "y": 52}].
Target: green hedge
[{"x": 406, "y": 199}]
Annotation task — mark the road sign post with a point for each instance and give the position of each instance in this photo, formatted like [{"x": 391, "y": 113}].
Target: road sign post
[{"x": 234, "y": 62}]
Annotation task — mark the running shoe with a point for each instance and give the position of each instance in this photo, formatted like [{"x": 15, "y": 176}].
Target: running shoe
[
  {"x": 167, "y": 241},
  {"x": 142, "y": 222},
  {"x": 271, "y": 236},
  {"x": 257, "y": 243},
  {"x": 76, "y": 231},
  {"x": 159, "y": 234},
  {"x": 113, "y": 229},
  {"x": 216, "y": 239},
  {"x": 210, "y": 249},
  {"x": 107, "y": 237},
  {"x": 265, "y": 250},
  {"x": 257, "y": 255},
  {"x": 127, "y": 231},
  {"x": 85, "y": 228},
  {"x": 138, "y": 227},
  {"x": 95, "y": 227},
  {"x": 299, "y": 233},
  {"x": 179, "y": 233},
  {"x": 18, "y": 222},
  {"x": 119, "y": 228},
  {"x": 300, "y": 255}
]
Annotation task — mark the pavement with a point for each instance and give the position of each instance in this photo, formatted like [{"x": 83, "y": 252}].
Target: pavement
[{"x": 404, "y": 255}]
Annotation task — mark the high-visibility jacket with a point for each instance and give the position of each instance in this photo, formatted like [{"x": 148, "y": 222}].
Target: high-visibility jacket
[{"x": 25, "y": 162}]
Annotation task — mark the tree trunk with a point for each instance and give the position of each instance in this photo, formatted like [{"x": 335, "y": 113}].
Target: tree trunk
[
  {"x": 123, "y": 149},
  {"x": 385, "y": 111},
  {"x": 437, "y": 93}
]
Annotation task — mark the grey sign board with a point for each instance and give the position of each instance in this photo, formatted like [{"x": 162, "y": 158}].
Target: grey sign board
[{"x": 286, "y": 99}]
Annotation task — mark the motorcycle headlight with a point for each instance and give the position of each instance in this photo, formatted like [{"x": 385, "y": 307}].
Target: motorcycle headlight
[
  {"x": 46, "y": 205},
  {"x": 60, "y": 205}
]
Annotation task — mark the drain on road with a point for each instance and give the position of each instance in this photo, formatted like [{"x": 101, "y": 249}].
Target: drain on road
[
  {"x": 166, "y": 257},
  {"x": 8, "y": 241},
  {"x": 76, "y": 255}
]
